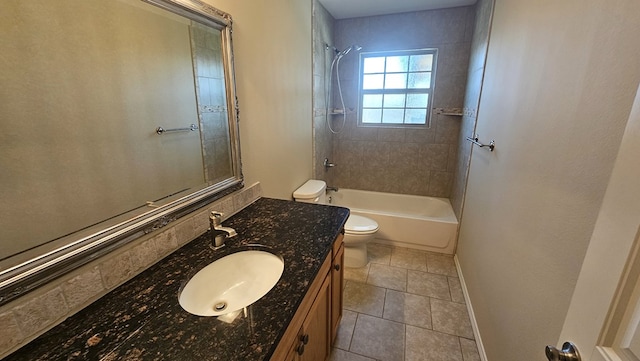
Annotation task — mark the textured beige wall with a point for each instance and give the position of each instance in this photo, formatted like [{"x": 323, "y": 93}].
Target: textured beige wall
[
  {"x": 559, "y": 85},
  {"x": 612, "y": 249},
  {"x": 272, "y": 45}
]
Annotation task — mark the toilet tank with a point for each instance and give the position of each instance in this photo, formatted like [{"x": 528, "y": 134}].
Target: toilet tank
[{"x": 313, "y": 191}]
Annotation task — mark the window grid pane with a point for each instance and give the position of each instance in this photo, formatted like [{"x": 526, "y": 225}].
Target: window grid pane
[
  {"x": 394, "y": 100},
  {"x": 374, "y": 65},
  {"x": 415, "y": 116},
  {"x": 372, "y": 116},
  {"x": 420, "y": 80},
  {"x": 393, "y": 116},
  {"x": 397, "y": 64},
  {"x": 372, "y": 100},
  {"x": 420, "y": 100},
  {"x": 421, "y": 62},
  {"x": 373, "y": 81},
  {"x": 396, "y": 88},
  {"x": 395, "y": 81}
]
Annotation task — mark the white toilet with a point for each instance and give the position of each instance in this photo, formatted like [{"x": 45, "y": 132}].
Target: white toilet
[{"x": 358, "y": 230}]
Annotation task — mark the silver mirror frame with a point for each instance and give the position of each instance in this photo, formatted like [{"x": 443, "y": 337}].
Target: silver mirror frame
[{"x": 18, "y": 280}]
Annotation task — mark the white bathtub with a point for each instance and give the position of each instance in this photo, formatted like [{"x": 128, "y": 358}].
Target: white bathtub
[{"x": 418, "y": 222}]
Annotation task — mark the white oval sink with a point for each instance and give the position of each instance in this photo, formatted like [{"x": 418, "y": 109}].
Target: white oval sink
[{"x": 231, "y": 283}]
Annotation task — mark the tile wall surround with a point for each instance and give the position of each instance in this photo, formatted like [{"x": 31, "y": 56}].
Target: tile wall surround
[
  {"x": 479, "y": 45},
  {"x": 398, "y": 160},
  {"x": 323, "y": 24},
  {"x": 26, "y": 318},
  {"x": 212, "y": 108}
]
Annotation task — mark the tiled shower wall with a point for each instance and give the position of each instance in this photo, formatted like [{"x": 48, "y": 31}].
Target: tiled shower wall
[
  {"x": 212, "y": 107},
  {"x": 479, "y": 44},
  {"x": 323, "y": 24},
  {"x": 408, "y": 161}
]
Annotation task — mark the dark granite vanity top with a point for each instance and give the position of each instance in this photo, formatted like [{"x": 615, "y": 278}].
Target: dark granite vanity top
[{"x": 142, "y": 320}]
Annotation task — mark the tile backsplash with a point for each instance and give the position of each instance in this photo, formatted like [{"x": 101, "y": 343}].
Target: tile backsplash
[{"x": 26, "y": 318}]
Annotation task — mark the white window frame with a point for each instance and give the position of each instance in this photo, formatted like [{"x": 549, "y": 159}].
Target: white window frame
[{"x": 430, "y": 91}]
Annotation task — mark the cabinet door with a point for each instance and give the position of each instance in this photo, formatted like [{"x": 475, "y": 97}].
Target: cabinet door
[
  {"x": 292, "y": 355},
  {"x": 337, "y": 288},
  {"x": 316, "y": 304},
  {"x": 315, "y": 329}
]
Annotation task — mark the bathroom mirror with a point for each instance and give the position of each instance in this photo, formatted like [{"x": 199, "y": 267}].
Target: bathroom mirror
[{"x": 116, "y": 117}]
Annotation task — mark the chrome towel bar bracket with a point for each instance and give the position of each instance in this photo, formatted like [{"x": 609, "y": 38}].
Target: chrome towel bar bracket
[
  {"x": 161, "y": 130},
  {"x": 475, "y": 141}
]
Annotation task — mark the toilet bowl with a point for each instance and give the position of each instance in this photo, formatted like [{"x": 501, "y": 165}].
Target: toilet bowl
[{"x": 358, "y": 230}]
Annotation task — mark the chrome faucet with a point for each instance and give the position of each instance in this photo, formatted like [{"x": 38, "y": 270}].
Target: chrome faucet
[
  {"x": 218, "y": 233},
  {"x": 327, "y": 164}
]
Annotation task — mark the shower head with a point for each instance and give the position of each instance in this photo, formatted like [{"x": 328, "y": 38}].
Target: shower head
[{"x": 347, "y": 50}]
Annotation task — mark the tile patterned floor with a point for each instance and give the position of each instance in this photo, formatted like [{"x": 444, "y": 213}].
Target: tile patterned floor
[{"x": 404, "y": 305}]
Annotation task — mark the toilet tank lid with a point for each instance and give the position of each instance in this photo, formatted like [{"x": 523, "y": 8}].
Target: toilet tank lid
[{"x": 311, "y": 189}]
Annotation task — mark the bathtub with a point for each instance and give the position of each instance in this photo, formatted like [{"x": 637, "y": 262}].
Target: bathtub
[{"x": 418, "y": 222}]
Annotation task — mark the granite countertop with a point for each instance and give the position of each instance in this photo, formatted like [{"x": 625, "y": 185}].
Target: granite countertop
[{"x": 142, "y": 320}]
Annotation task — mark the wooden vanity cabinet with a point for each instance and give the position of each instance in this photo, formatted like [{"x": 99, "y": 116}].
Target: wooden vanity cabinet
[
  {"x": 312, "y": 341},
  {"x": 313, "y": 328},
  {"x": 337, "y": 285}
]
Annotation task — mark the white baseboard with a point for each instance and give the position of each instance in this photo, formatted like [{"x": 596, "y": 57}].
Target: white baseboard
[{"x": 472, "y": 316}]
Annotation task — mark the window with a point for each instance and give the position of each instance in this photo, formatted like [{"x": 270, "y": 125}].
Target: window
[{"x": 396, "y": 88}]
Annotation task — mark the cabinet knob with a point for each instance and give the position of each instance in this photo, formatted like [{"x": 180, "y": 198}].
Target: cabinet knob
[
  {"x": 304, "y": 339},
  {"x": 300, "y": 348},
  {"x": 337, "y": 267}
]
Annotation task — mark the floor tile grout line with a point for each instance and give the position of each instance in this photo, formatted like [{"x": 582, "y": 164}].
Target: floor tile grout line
[
  {"x": 411, "y": 269},
  {"x": 353, "y": 332},
  {"x": 460, "y": 346},
  {"x": 407, "y": 292},
  {"x": 404, "y": 349},
  {"x": 384, "y": 302},
  {"x": 447, "y": 275},
  {"x": 406, "y": 283},
  {"x": 431, "y": 312},
  {"x": 354, "y": 329}
]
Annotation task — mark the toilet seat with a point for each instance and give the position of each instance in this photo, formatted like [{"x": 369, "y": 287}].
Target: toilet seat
[{"x": 360, "y": 225}]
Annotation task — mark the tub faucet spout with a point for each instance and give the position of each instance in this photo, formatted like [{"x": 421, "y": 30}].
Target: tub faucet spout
[
  {"x": 334, "y": 189},
  {"x": 219, "y": 234}
]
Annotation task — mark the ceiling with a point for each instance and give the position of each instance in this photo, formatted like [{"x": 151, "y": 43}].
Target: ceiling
[{"x": 343, "y": 9}]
